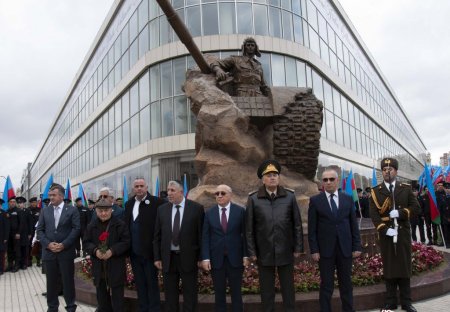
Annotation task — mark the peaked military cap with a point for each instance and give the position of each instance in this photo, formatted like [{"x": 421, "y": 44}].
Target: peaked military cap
[
  {"x": 389, "y": 162},
  {"x": 11, "y": 198},
  {"x": 77, "y": 199},
  {"x": 21, "y": 200},
  {"x": 32, "y": 200},
  {"x": 91, "y": 202},
  {"x": 268, "y": 165}
]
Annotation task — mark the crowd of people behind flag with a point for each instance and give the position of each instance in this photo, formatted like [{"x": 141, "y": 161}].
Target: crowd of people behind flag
[{"x": 177, "y": 236}]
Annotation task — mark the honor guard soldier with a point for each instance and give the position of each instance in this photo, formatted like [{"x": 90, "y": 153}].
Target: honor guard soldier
[
  {"x": 392, "y": 205},
  {"x": 26, "y": 230},
  {"x": 35, "y": 250}
]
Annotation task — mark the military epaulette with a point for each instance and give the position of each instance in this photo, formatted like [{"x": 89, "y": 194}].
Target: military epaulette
[
  {"x": 405, "y": 184},
  {"x": 252, "y": 192},
  {"x": 290, "y": 190}
]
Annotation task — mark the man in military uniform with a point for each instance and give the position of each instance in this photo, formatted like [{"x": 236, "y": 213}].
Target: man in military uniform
[
  {"x": 14, "y": 236},
  {"x": 391, "y": 206},
  {"x": 4, "y": 234},
  {"x": 445, "y": 217},
  {"x": 26, "y": 229},
  {"x": 246, "y": 71},
  {"x": 441, "y": 203},
  {"x": 274, "y": 235},
  {"x": 34, "y": 250}
]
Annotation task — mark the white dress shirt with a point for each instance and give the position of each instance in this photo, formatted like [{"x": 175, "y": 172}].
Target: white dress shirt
[
  {"x": 227, "y": 211},
  {"x": 335, "y": 198},
  {"x": 57, "y": 210},
  {"x": 136, "y": 207}
]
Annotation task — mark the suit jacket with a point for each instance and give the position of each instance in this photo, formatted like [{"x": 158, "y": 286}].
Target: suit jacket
[
  {"x": 190, "y": 235},
  {"x": 4, "y": 230},
  {"x": 215, "y": 241},
  {"x": 325, "y": 230},
  {"x": 147, "y": 218},
  {"x": 67, "y": 232}
]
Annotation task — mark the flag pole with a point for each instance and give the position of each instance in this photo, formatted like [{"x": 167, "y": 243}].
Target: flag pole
[{"x": 443, "y": 238}]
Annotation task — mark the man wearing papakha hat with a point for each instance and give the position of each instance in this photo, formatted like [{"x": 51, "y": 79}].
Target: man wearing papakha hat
[
  {"x": 274, "y": 235},
  {"x": 392, "y": 205}
]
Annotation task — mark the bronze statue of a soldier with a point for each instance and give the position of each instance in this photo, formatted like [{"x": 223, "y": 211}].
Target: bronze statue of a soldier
[{"x": 246, "y": 72}]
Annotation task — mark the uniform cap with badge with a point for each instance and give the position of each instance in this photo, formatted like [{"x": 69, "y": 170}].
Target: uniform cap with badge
[{"x": 268, "y": 166}]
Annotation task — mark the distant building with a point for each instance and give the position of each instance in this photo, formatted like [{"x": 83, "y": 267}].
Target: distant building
[
  {"x": 443, "y": 161},
  {"x": 126, "y": 114}
]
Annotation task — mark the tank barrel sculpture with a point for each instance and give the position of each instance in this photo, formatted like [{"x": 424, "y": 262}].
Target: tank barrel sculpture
[{"x": 184, "y": 35}]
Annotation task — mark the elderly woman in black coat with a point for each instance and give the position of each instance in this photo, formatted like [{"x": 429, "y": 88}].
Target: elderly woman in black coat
[{"x": 107, "y": 241}]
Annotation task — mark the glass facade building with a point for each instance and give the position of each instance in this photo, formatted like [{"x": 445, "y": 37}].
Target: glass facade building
[{"x": 126, "y": 113}]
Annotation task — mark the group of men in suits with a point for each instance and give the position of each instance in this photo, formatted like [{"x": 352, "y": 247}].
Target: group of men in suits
[{"x": 177, "y": 237}]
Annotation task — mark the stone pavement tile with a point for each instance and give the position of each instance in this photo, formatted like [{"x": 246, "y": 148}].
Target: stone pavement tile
[
  {"x": 436, "y": 304},
  {"x": 22, "y": 292}
]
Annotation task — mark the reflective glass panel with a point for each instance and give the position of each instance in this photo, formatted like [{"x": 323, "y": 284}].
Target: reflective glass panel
[
  {"x": 181, "y": 118},
  {"x": 274, "y": 22},
  {"x": 261, "y": 21},
  {"x": 210, "y": 19},
  {"x": 134, "y": 126},
  {"x": 144, "y": 90},
  {"x": 244, "y": 18},
  {"x": 134, "y": 99},
  {"x": 155, "y": 123},
  {"x": 167, "y": 117},
  {"x": 126, "y": 136},
  {"x": 227, "y": 18},
  {"x": 144, "y": 123}
]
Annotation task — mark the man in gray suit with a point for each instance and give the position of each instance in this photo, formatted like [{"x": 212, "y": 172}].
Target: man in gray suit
[{"x": 57, "y": 230}]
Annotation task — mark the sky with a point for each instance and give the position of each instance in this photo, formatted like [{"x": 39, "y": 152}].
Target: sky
[
  {"x": 43, "y": 43},
  {"x": 42, "y": 46}
]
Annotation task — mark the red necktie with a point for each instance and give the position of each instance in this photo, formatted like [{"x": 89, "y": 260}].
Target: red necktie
[{"x": 223, "y": 220}]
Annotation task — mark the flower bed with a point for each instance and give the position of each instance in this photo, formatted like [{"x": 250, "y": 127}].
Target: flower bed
[{"x": 367, "y": 270}]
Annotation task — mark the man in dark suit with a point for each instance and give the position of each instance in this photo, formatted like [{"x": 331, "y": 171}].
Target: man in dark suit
[
  {"x": 224, "y": 250},
  {"x": 333, "y": 236},
  {"x": 176, "y": 247},
  {"x": 140, "y": 216},
  {"x": 57, "y": 230}
]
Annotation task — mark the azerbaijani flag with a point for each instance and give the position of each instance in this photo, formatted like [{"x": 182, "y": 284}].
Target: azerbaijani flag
[
  {"x": 125, "y": 191},
  {"x": 8, "y": 192},
  {"x": 343, "y": 180},
  {"x": 47, "y": 187},
  {"x": 434, "y": 211},
  {"x": 374, "y": 177},
  {"x": 185, "y": 188},
  {"x": 350, "y": 187},
  {"x": 156, "y": 193},
  {"x": 82, "y": 195},
  {"x": 68, "y": 192}
]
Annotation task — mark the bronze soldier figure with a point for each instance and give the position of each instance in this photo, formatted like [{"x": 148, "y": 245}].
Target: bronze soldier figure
[{"x": 246, "y": 71}]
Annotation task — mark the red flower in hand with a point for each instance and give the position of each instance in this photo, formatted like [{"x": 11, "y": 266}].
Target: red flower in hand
[{"x": 102, "y": 238}]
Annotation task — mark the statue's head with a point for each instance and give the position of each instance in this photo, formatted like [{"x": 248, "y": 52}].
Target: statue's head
[{"x": 250, "y": 40}]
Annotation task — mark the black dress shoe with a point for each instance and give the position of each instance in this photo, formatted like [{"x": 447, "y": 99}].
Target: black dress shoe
[
  {"x": 389, "y": 307},
  {"x": 409, "y": 308}
]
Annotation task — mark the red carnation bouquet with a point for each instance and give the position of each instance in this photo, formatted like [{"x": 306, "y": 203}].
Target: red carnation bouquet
[{"x": 103, "y": 245}]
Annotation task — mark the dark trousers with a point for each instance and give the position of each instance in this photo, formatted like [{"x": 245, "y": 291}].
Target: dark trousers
[
  {"x": 431, "y": 228},
  {"x": 267, "y": 285},
  {"x": 2, "y": 261},
  {"x": 171, "y": 286},
  {"x": 24, "y": 256},
  {"x": 234, "y": 277},
  {"x": 110, "y": 302},
  {"x": 391, "y": 290},
  {"x": 13, "y": 253},
  {"x": 64, "y": 270},
  {"x": 420, "y": 223},
  {"x": 327, "y": 266},
  {"x": 146, "y": 278}
]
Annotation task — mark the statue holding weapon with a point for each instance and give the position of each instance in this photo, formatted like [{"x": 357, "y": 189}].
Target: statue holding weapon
[{"x": 392, "y": 205}]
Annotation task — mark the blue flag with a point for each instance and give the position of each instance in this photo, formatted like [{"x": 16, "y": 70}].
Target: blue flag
[
  {"x": 185, "y": 188},
  {"x": 374, "y": 177},
  {"x": 157, "y": 187},
  {"x": 47, "y": 187},
  {"x": 125, "y": 190}
]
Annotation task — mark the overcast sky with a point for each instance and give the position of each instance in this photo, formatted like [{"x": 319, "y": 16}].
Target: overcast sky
[{"x": 43, "y": 43}]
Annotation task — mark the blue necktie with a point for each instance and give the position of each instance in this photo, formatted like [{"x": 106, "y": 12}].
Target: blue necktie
[{"x": 334, "y": 208}]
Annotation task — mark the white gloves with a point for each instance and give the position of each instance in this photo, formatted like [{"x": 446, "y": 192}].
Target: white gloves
[
  {"x": 391, "y": 232},
  {"x": 393, "y": 214}
]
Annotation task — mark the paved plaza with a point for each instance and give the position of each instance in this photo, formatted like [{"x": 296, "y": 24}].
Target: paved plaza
[{"x": 21, "y": 292}]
